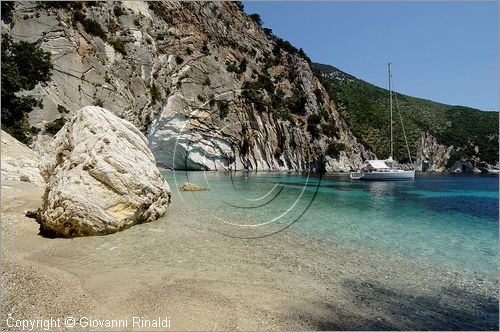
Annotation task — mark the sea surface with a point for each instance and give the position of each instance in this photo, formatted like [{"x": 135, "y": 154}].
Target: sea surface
[{"x": 437, "y": 219}]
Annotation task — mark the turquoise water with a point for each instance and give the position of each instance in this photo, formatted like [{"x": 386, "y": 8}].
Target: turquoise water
[{"x": 449, "y": 220}]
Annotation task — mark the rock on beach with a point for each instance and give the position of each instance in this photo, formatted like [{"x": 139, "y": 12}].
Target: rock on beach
[{"x": 101, "y": 177}]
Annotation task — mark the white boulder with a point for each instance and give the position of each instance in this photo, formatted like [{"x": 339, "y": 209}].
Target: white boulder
[
  {"x": 19, "y": 162},
  {"x": 188, "y": 186},
  {"x": 101, "y": 177}
]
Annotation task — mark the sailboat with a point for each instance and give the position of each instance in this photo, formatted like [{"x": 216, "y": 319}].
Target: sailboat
[{"x": 385, "y": 170}]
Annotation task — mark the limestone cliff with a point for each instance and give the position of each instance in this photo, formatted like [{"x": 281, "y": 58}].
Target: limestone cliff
[
  {"x": 432, "y": 156},
  {"x": 207, "y": 85}
]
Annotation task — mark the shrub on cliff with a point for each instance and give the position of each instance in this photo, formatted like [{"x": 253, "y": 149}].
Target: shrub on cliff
[
  {"x": 160, "y": 11},
  {"x": 155, "y": 93},
  {"x": 94, "y": 28},
  {"x": 204, "y": 49},
  {"x": 240, "y": 5},
  {"x": 256, "y": 18},
  {"x": 54, "y": 126},
  {"x": 333, "y": 149},
  {"x": 313, "y": 121},
  {"x": 118, "y": 11},
  {"x": 119, "y": 45}
]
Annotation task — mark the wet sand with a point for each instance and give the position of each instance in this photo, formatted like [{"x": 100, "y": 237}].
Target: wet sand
[{"x": 179, "y": 267}]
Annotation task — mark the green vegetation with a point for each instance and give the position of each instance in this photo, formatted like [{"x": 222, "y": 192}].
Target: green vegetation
[
  {"x": 238, "y": 69},
  {"x": 90, "y": 26},
  {"x": 313, "y": 121},
  {"x": 263, "y": 82},
  {"x": 112, "y": 26},
  {"x": 283, "y": 115},
  {"x": 54, "y": 126},
  {"x": 178, "y": 59},
  {"x": 269, "y": 60},
  {"x": 330, "y": 130},
  {"x": 78, "y": 16},
  {"x": 264, "y": 95},
  {"x": 297, "y": 102},
  {"x": 285, "y": 45},
  {"x": 243, "y": 66},
  {"x": 118, "y": 11},
  {"x": 160, "y": 11},
  {"x": 7, "y": 8},
  {"x": 255, "y": 92},
  {"x": 62, "y": 110},
  {"x": 94, "y": 28},
  {"x": 155, "y": 93},
  {"x": 119, "y": 45},
  {"x": 24, "y": 65},
  {"x": 99, "y": 102},
  {"x": 245, "y": 143},
  {"x": 365, "y": 107},
  {"x": 256, "y": 18},
  {"x": 223, "y": 107},
  {"x": 240, "y": 5},
  {"x": 74, "y": 5},
  {"x": 204, "y": 49},
  {"x": 319, "y": 96},
  {"x": 333, "y": 149}
]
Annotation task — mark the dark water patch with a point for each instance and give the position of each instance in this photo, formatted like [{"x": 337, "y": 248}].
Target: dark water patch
[
  {"x": 341, "y": 187},
  {"x": 480, "y": 207}
]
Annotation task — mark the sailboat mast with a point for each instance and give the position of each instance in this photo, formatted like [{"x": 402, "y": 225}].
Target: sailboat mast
[{"x": 390, "y": 102}]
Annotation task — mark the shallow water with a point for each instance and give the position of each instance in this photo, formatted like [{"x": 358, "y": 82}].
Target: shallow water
[
  {"x": 447, "y": 220},
  {"x": 332, "y": 255}
]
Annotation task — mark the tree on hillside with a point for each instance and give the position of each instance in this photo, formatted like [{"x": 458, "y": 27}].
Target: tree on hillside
[
  {"x": 24, "y": 65},
  {"x": 256, "y": 18}
]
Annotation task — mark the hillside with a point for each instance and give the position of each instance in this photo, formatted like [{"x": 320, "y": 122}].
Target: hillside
[
  {"x": 464, "y": 132},
  {"x": 210, "y": 87},
  {"x": 214, "y": 90}
]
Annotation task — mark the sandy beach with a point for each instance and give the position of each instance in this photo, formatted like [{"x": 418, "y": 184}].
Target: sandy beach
[{"x": 179, "y": 268}]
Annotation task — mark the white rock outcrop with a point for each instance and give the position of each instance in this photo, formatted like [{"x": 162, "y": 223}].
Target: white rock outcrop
[
  {"x": 101, "y": 177},
  {"x": 19, "y": 162},
  {"x": 188, "y": 186}
]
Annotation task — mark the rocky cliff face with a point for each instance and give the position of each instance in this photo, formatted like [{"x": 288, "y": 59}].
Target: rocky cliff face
[
  {"x": 431, "y": 156},
  {"x": 208, "y": 86}
]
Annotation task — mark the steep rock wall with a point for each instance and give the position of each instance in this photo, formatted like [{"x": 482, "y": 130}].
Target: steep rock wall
[{"x": 206, "y": 84}]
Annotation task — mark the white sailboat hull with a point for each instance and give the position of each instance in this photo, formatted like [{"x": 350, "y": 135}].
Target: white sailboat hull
[
  {"x": 390, "y": 175},
  {"x": 381, "y": 170}
]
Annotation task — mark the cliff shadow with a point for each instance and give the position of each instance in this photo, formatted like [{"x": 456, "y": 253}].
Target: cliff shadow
[{"x": 373, "y": 306}]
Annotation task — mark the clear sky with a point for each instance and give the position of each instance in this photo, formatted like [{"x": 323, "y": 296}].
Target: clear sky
[{"x": 444, "y": 51}]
